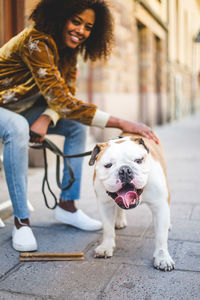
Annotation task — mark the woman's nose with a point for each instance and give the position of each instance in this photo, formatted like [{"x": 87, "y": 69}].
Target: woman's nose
[{"x": 80, "y": 29}]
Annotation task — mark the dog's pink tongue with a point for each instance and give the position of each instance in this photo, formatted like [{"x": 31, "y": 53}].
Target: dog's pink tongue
[{"x": 127, "y": 198}]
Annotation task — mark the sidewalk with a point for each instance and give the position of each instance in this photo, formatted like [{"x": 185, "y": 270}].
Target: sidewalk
[{"x": 129, "y": 275}]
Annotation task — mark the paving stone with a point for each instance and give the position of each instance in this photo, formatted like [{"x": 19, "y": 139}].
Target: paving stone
[
  {"x": 145, "y": 252},
  {"x": 5, "y": 233},
  {"x": 181, "y": 211},
  {"x": 58, "y": 238},
  {"x": 131, "y": 282},
  {"x": 184, "y": 191},
  {"x": 126, "y": 250},
  {"x": 134, "y": 251},
  {"x": 196, "y": 213},
  {"x": 10, "y": 296},
  {"x": 138, "y": 220},
  {"x": 61, "y": 238},
  {"x": 186, "y": 196},
  {"x": 64, "y": 280},
  {"x": 181, "y": 230},
  {"x": 9, "y": 258},
  {"x": 186, "y": 231},
  {"x": 188, "y": 257},
  {"x": 188, "y": 169}
]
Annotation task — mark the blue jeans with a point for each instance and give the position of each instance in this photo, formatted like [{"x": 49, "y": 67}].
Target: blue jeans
[{"x": 14, "y": 130}]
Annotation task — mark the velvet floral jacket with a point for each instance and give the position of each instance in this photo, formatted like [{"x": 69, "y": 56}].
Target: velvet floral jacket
[{"x": 29, "y": 64}]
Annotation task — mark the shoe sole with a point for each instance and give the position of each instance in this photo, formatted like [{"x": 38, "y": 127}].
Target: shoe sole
[{"x": 24, "y": 248}]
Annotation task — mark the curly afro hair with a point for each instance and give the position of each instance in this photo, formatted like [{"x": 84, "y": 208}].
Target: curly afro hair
[{"x": 50, "y": 17}]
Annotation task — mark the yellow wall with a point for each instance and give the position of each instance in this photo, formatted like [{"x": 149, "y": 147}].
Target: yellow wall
[
  {"x": 159, "y": 7},
  {"x": 184, "y": 24},
  {"x": 145, "y": 18}
]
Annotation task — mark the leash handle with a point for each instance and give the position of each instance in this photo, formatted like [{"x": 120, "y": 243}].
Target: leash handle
[
  {"x": 47, "y": 144},
  {"x": 34, "y": 134}
]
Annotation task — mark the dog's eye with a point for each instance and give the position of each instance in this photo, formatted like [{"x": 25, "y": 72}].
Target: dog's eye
[
  {"x": 108, "y": 165},
  {"x": 138, "y": 161}
]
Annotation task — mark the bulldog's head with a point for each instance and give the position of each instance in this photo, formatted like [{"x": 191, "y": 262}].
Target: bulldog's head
[{"x": 122, "y": 166}]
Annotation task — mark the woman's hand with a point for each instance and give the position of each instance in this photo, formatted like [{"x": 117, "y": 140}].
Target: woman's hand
[
  {"x": 132, "y": 127},
  {"x": 40, "y": 126}
]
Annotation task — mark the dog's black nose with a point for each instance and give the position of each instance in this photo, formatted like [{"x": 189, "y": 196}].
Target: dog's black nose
[{"x": 125, "y": 174}]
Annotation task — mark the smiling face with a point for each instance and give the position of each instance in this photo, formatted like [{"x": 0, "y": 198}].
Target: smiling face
[{"x": 78, "y": 28}]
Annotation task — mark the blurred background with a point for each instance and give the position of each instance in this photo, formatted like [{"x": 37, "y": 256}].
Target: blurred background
[{"x": 153, "y": 74}]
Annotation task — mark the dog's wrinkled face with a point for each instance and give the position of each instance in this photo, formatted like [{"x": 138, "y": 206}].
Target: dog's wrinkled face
[{"x": 122, "y": 166}]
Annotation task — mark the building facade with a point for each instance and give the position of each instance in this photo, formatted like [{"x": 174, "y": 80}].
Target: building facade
[{"x": 153, "y": 74}]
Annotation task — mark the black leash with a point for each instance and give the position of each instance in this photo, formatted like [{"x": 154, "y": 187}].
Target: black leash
[{"x": 47, "y": 144}]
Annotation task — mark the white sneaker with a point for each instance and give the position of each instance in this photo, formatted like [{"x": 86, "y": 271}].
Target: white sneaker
[
  {"x": 23, "y": 239},
  {"x": 77, "y": 219}
]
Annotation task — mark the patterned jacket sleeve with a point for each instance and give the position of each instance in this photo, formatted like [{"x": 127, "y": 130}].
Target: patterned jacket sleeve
[{"x": 40, "y": 55}]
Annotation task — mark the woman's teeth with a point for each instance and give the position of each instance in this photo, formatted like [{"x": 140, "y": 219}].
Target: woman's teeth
[{"x": 74, "y": 38}]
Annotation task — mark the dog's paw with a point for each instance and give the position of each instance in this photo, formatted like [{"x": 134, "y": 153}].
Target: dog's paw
[
  {"x": 163, "y": 260},
  {"x": 104, "y": 250},
  {"x": 120, "y": 223}
]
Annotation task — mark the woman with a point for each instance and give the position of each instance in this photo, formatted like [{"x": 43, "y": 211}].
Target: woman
[{"x": 37, "y": 88}]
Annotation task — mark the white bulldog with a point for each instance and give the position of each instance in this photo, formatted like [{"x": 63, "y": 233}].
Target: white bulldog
[{"x": 129, "y": 170}]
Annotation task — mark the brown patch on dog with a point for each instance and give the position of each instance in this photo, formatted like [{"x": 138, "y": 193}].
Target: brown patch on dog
[
  {"x": 97, "y": 152},
  {"x": 140, "y": 141},
  {"x": 119, "y": 142},
  {"x": 104, "y": 147},
  {"x": 94, "y": 176}
]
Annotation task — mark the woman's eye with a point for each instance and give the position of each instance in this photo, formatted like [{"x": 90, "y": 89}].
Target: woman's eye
[
  {"x": 108, "y": 165},
  {"x": 138, "y": 161},
  {"x": 75, "y": 22},
  {"x": 88, "y": 28}
]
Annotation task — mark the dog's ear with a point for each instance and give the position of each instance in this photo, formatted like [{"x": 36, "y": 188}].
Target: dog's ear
[
  {"x": 140, "y": 141},
  {"x": 94, "y": 154},
  {"x": 97, "y": 149}
]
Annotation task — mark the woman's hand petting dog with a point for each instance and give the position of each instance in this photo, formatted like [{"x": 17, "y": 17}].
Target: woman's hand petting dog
[{"x": 132, "y": 127}]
